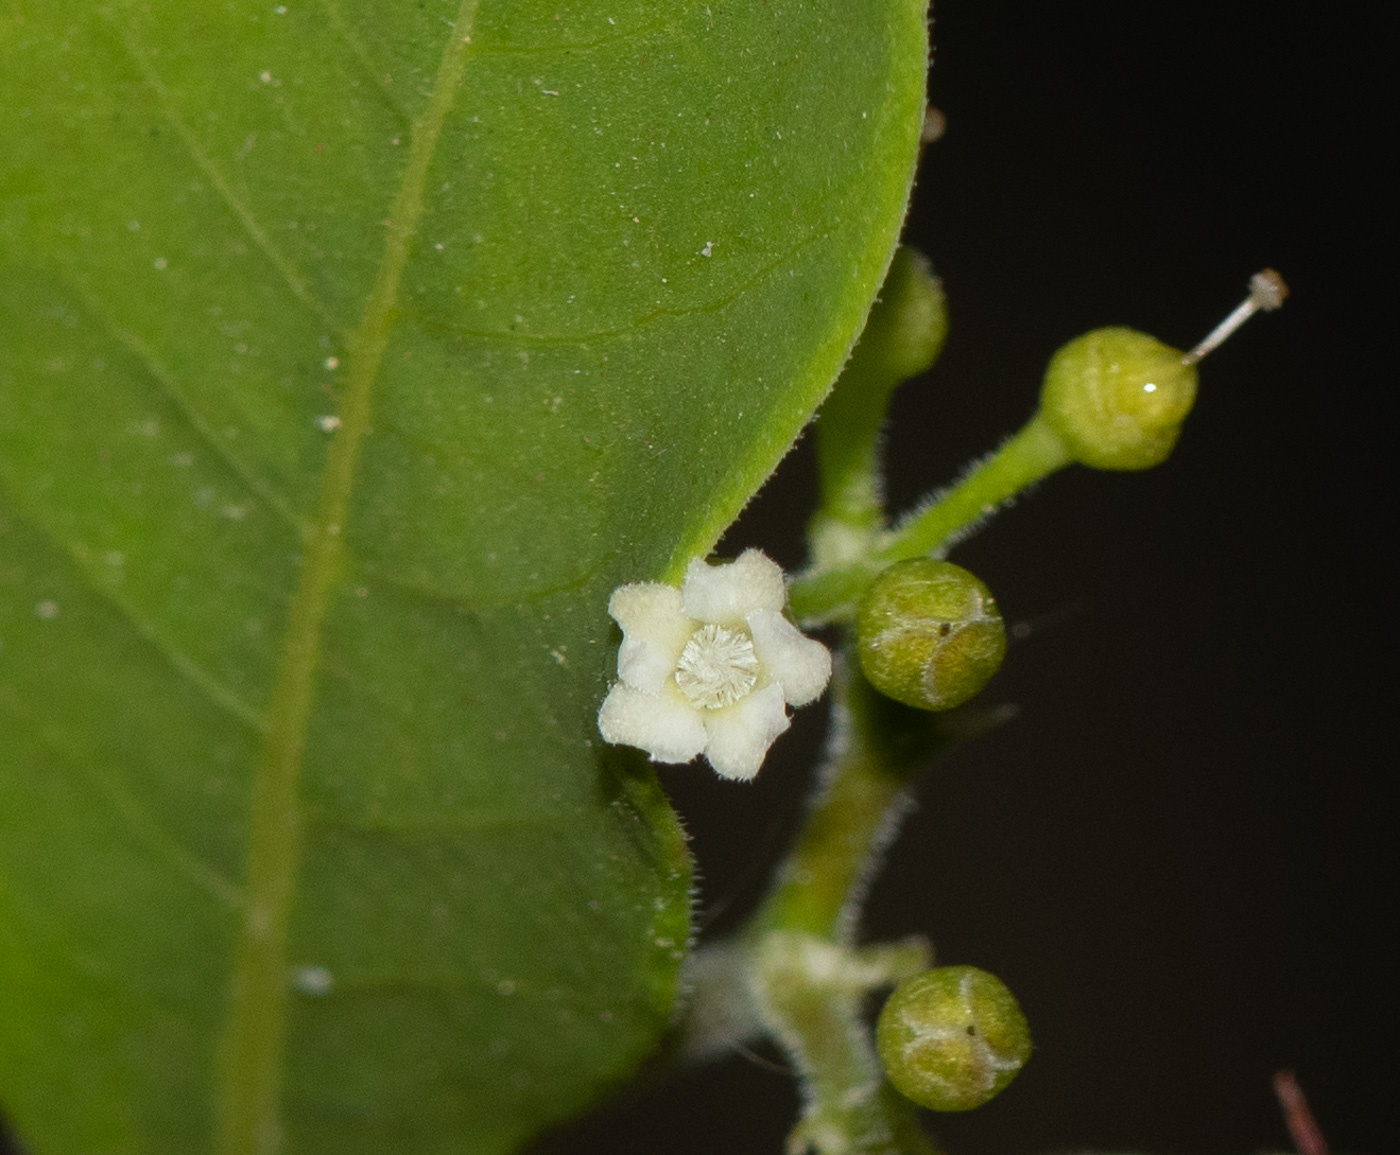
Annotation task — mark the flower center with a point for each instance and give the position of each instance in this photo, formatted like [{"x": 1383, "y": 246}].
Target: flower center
[{"x": 717, "y": 667}]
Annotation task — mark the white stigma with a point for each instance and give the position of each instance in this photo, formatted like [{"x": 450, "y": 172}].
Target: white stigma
[
  {"x": 1266, "y": 293},
  {"x": 717, "y": 667}
]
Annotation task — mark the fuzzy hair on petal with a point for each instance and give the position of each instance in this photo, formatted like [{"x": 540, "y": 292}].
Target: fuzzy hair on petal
[
  {"x": 645, "y": 605},
  {"x": 739, "y": 735},
  {"x": 654, "y": 632},
  {"x": 727, "y": 594},
  {"x": 667, "y": 729},
  {"x": 801, "y": 665}
]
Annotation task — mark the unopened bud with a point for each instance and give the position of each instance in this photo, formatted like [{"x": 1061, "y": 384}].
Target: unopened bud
[
  {"x": 929, "y": 634},
  {"x": 952, "y": 1038}
]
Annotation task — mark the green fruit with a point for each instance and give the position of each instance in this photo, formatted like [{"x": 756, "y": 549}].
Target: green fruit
[
  {"x": 929, "y": 634},
  {"x": 1117, "y": 398},
  {"x": 952, "y": 1038}
]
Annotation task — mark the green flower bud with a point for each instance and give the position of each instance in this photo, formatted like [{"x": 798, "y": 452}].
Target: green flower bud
[
  {"x": 902, "y": 337},
  {"x": 906, "y": 327},
  {"x": 1117, "y": 398},
  {"x": 952, "y": 1038},
  {"x": 929, "y": 634}
]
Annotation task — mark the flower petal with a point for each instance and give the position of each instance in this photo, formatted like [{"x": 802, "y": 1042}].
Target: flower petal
[
  {"x": 801, "y": 665},
  {"x": 654, "y": 632},
  {"x": 727, "y": 594},
  {"x": 667, "y": 729},
  {"x": 741, "y": 734}
]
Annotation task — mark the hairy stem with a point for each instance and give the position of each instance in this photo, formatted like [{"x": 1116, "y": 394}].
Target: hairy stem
[
  {"x": 831, "y": 593},
  {"x": 1027, "y": 457},
  {"x": 862, "y": 794},
  {"x": 902, "y": 338},
  {"x": 806, "y": 980},
  {"x": 810, "y": 996}
]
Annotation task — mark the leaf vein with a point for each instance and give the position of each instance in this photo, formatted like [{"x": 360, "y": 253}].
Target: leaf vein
[
  {"x": 133, "y": 815},
  {"x": 169, "y": 384},
  {"x": 357, "y": 48},
  {"x": 249, "y": 1087},
  {"x": 202, "y": 161},
  {"x": 213, "y": 689},
  {"x": 642, "y": 320}
]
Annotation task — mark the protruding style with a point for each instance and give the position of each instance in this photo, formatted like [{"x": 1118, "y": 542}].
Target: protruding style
[
  {"x": 1117, "y": 398},
  {"x": 1267, "y": 292}
]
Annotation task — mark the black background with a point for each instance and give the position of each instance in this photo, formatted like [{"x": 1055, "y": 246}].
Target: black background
[{"x": 1179, "y": 855}]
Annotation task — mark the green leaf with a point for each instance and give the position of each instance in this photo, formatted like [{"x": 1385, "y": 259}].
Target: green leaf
[{"x": 350, "y": 353}]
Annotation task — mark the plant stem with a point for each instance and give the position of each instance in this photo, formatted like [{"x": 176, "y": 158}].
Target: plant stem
[
  {"x": 832, "y": 593},
  {"x": 902, "y": 338},
  {"x": 1028, "y": 456},
  {"x": 862, "y": 795},
  {"x": 810, "y": 998},
  {"x": 806, "y": 980}
]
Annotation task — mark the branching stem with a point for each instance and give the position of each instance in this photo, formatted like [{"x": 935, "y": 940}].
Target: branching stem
[
  {"x": 1029, "y": 456},
  {"x": 807, "y": 981}
]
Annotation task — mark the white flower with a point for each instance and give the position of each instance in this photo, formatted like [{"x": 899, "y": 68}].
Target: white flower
[{"x": 711, "y": 667}]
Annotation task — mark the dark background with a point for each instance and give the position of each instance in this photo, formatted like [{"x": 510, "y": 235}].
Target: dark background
[{"x": 1179, "y": 855}]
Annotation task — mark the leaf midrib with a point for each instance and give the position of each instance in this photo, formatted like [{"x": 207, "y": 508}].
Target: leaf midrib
[{"x": 249, "y": 1075}]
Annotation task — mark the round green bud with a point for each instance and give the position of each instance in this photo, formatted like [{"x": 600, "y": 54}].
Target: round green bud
[
  {"x": 907, "y": 324},
  {"x": 952, "y": 1038},
  {"x": 929, "y": 634},
  {"x": 1117, "y": 398}
]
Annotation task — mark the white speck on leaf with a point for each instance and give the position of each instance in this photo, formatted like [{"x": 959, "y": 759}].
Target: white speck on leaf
[
  {"x": 313, "y": 981},
  {"x": 159, "y": 264},
  {"x": 47, "y": 610},
  {"x": 328, "y": 423}
]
